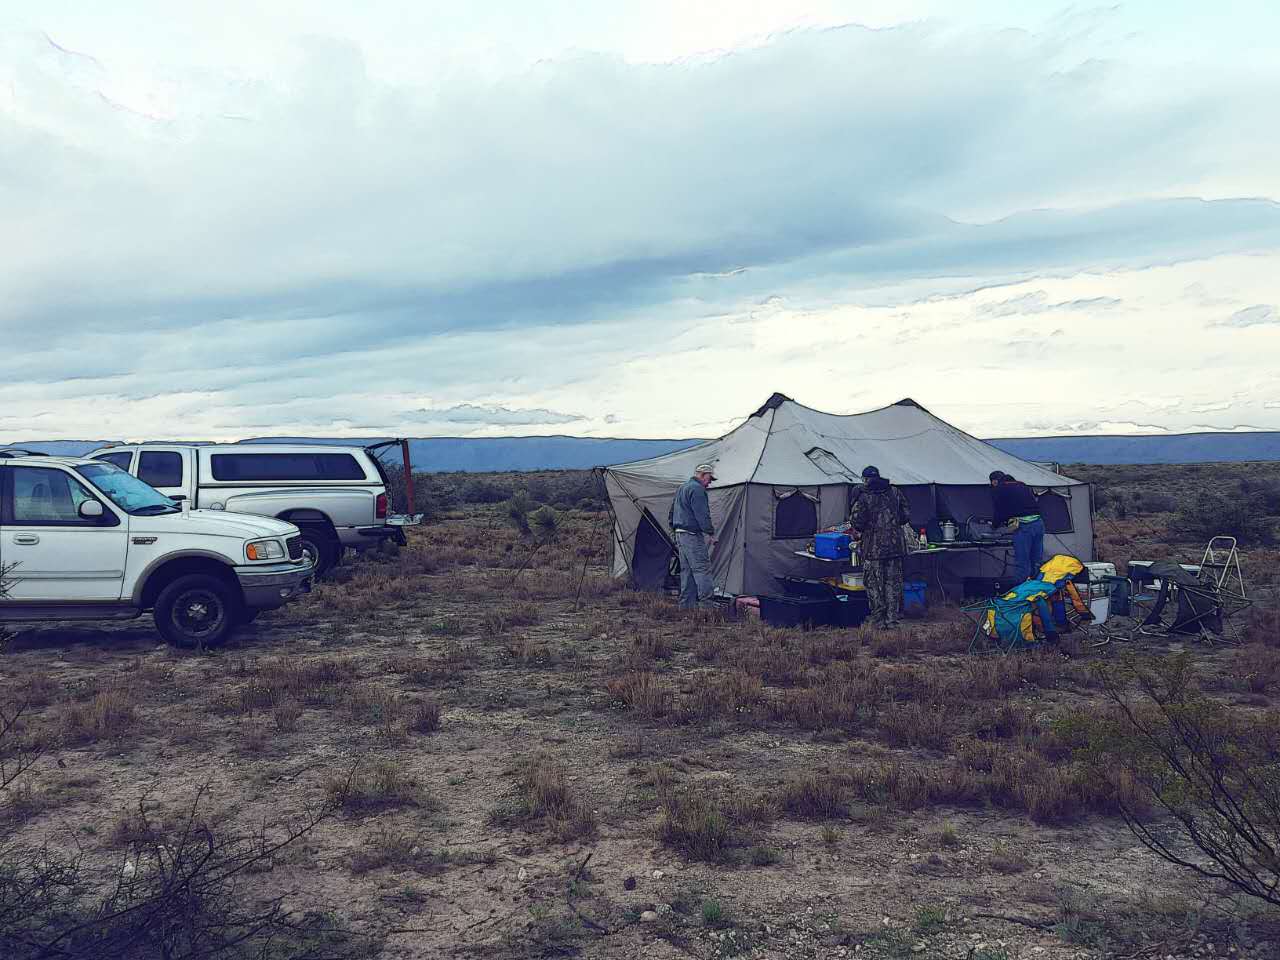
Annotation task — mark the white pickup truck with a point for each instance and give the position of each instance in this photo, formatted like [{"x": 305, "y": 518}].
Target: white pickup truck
[
  {"x": 83, "y": 540},
  {"x": 337, "y": 496}
]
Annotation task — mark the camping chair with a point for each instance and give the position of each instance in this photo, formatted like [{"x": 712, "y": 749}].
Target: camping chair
[
  {"x": 1008, "y": 621},
  {"x": 1062, "y": 571},
  {"x": 1200, "y": 606}
]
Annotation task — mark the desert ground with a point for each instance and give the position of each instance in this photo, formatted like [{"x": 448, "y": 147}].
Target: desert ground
[{"x": 486, "y": 747}]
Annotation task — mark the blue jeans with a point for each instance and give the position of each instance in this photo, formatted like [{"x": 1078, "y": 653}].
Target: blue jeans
[
  {"x": 695, "y": 571},
  {"x": 1028, "y": 549}
]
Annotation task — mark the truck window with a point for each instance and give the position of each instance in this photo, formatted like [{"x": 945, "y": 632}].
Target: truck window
[
  {"x": 44, "y": 496},
  {"x": 285, "y": 466},
  {"x": 160, "y": 468},
  {"x": 121, "y": 460}
]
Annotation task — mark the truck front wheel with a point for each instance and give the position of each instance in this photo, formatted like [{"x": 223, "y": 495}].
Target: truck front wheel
[
  {"x": 319, "y": 548},
  {"x": 196, "y": 610}
]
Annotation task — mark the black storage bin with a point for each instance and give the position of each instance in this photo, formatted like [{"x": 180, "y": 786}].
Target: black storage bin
[
  {"x": 798, "y": 611},
  {"x": 804, "y": 587},
  {"x": 852, "y": 607}
]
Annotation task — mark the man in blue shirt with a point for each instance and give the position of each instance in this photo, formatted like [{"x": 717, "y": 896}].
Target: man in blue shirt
[
  {"x": 691, "y": 523},
  {"x": 1014, "y": 505}
]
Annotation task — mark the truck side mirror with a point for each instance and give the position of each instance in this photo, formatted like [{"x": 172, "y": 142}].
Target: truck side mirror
[{"x": 91, "y": 510}]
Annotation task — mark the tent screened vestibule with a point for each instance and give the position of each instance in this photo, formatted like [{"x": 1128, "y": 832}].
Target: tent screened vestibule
[{"x": 789, "y": 471}]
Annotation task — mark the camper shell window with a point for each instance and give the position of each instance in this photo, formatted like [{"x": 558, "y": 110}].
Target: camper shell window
[
  {"x": 285, "y": 466},
  {"x": 795, "y": 513}
]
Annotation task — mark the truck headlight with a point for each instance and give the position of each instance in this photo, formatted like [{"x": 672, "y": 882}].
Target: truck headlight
[{"x": 264, "y": 550}]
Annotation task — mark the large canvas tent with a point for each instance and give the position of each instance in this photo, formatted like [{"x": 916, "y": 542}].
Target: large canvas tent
[{"x": 789, "y": 470}]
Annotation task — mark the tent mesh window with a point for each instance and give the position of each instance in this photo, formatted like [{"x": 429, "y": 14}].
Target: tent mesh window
[
  {"x": 1055, "y": 510},
  {"x": 795, "y": 514}
]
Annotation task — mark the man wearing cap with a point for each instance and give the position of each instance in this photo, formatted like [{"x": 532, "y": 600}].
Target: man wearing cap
[
  {"x": 1013, "y": 505},
  {"x": 691, "y": 522},
  {"x": 878, "y": 512}
]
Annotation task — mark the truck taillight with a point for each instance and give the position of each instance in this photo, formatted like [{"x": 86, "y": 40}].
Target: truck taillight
[{"x": 380, "y": 510}]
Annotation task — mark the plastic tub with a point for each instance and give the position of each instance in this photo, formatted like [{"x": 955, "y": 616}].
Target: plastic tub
[
  {"x": 913, "y": 596},
  {"x": 1100, "y": 607}
]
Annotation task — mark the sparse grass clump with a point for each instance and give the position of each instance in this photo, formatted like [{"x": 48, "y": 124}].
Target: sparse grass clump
[
  {"x": 424, "y": 716},
  {"x": 815, "y": 796},
  {"x": 696, "y": 826},
  {"x": 377, "y": 786},
  {"x": 542, "y": 796},
  {"x": 643, "y": 693},
  {"x": 108, "y": 715}
]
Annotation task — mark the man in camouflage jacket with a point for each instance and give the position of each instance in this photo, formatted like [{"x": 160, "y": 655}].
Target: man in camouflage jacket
[{"x": 878, "y": 512}]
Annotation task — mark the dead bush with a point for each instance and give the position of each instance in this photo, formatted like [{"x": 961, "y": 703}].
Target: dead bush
[
  {"x": 109, "y": 715},
  {"x": 542, "y": 796},
  {"x": 1255, "y": 669},
  {"x": 424, "y": 716},
  {"x": 735, "y": 695},
  {"x": 184, "y": 890},
  {"x": 377, "y": 786},
  {"x": 643, "y": 693},
  {"x": 815, "y": 796},
  {"x": 696, "y": 826},
  {"x": 928, "y": 725}
]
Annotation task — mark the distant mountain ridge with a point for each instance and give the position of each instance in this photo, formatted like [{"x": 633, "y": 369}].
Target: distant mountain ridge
[{"x": 499, "y": 454}]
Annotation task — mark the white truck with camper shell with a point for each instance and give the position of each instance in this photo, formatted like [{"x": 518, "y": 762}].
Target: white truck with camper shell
[
  {"x": 336, "y": 496},
  {"x": 81, "y": 539}
]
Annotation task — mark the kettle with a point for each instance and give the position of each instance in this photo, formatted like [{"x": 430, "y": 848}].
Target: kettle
[{"x": 948, "y": 528}]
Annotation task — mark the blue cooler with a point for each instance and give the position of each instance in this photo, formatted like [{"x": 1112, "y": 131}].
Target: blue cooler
[{"x": 832, "y": 546}]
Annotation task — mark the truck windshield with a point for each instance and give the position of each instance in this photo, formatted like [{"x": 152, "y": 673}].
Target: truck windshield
[{"x": 126, "y": 491}]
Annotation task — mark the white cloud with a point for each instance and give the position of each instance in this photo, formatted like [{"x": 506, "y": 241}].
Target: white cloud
[
  {"x": 1254, "y": 316},
  {"x": 445, "y": 210}
]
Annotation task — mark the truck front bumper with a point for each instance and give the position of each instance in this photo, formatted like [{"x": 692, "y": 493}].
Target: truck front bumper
[{"x": 270, "y": 585}]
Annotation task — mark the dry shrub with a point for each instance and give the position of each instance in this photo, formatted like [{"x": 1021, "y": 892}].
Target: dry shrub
[
  {"x": 420, "y": 670},
  {"x": 378, "y": 786},
  {"x": 1003, "y": 721},
  {"x": 317, "y": 683},
  {"x": 286, "y": 714},
  {"x": 109, "y": 714},
  {"x": 38, "y": 690},
  {"x": 1256, "y": 669},
  {"x": 777, "y": 659},
  {"x": 653, "y": 646},
  {"x": 542, "y": 796},
  {"x": 891, "y": 643},
  {"x": 928, "y": 725},
  {"x": 843, "y": 696},
  {"x": 375, "y": 705},
  {"x": 734, "y": 695},
  {"x": 424, "y": 716},
  {"x": 386, "y": 848},
  {"x": 696, "y": 826},
  {"x": 815, "y": 796},
  {"x": 643, "y": 693},
  {"x": 1262, "y": 625},
  {"x": 523, "y": 615},
  {"x": 1007, "y": 860},
  {"x": 531, "y": 653}
]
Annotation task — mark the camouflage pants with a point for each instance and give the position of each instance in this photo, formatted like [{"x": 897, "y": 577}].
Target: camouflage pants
[{"x": 883, "y": 579}]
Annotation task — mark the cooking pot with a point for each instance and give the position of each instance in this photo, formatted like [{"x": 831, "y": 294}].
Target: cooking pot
[{"x": 948, "y": 528}]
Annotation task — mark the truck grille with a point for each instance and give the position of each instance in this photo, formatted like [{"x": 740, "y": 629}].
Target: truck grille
[{"x": 294, "y": 545}]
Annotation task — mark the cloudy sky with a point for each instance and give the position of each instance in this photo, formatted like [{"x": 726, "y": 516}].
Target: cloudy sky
[{"x": 635, "y": 218}]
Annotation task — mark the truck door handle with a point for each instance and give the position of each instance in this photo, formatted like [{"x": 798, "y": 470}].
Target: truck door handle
[{"x": 26, "y": 539}]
